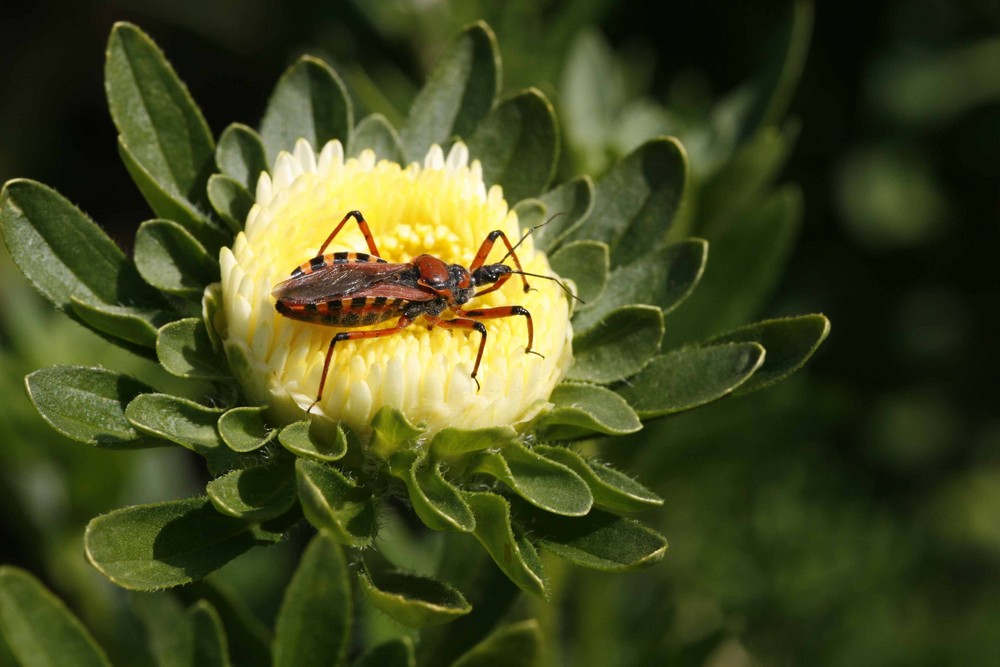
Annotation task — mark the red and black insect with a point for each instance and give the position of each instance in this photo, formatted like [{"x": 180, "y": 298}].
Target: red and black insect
[{"x": 354, "y": 289}]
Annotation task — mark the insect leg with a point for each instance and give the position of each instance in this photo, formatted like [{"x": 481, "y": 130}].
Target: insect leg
[
  {"x": 465, "y": 323},
  {"x": 487, "y": 245},
  {"x": 495, "y": 286},
  {"x": 503, "y": 311},
  {"x": 353, "y": 335},
  {"x": 369, "y": 239}
]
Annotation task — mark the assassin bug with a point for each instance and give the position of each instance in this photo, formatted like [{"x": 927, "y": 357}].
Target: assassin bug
[{"x": 354, "y": 289}]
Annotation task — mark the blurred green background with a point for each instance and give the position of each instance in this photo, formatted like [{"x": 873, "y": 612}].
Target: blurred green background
[{"x": 850, "y": 516}]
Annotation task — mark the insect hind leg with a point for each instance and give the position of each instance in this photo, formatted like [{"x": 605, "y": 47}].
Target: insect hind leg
[{"x": 365, "y": 231}]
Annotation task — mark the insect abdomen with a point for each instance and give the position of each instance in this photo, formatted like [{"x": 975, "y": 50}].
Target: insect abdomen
[
  {"x": 355, "y": 312},
  {"x": 334, "y": 258}
]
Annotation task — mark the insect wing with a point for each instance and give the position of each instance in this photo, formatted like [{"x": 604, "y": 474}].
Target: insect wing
[{"x": 337, "y": 281}]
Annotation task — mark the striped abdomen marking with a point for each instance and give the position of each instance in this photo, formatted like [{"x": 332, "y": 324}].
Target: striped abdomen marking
[
  {"x": 335, "y": 258},
  {"x": 355, "y": 312}
]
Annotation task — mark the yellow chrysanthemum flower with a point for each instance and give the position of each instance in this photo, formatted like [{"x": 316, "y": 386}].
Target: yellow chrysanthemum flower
[{"x": 441, "y": 208}]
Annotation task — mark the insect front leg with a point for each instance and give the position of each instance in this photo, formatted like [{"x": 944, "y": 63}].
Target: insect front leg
[
  {"x": 465, "y": 323},
  {"x": 504, "y": 311},
  {"x": 484, "y": 251},
  {"x": 402, "y": 323},
  {"x": 362, "y": 223}
]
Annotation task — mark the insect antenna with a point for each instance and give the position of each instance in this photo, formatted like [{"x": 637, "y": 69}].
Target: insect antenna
[
  {"x": 526, "y": 235},
  {"x": 553, "y": 279}
]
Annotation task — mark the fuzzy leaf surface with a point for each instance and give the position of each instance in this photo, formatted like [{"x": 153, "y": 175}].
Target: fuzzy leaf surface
[
  {"x": 612, "y": 489},
  {"x": 231, "y": 201},
  {"x": 88, "y": 404},
  {"x": 335, "y": 504},
  {"x": 39, "y": 629},
  {"x": 515, "y": 645},
  {"x": 171, "y": 259},
  {"x": 393, "y": 653},
  {"x": 149, "y": 547},
  {"x": 436, "y": 501},
  {"x": 618, "y": 346},
  {"x": 240, "y": 155},
  {"x": 257, "y": 493},
  {"x": 582, "y": 409},
  {"x": 586, "y": 263},
  {"x": 243, "y": 429},
  {"x": 571, "y": 202},
  {"x": 455, "y": 442},
  {"x": 511, "y": 551},
  {"x": 185, "y": 350},
  {"x": 184, "y": 422},
  {"x": 314, "y": 623},
  {"x": 459, "y": 93},
  {"x": 299, "y": 439},
  {"x": 376, "y": 133},
  {"x": 544, "y": 483},
  {"x": 126, "y": 323},
  {"x": 413, "y": 600}
]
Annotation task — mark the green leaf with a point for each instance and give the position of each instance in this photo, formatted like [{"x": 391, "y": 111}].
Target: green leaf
[
  {"x": 309, "y": 102},
  {"x": 570, "y": 204},
  {"x": 64, "y": 254},
  {"x": 243, "y": 429},
  {"x": 612, "y": 490},
  {"x": 586, "y": 263},
  {"x": 249, "y": 641},
  {"x": 663, "y": 277},
  {"x": 636, "y": 201},
  {"x": 511, "y": 551},
  {"x": 314, "y": 623},
  {"x": 459, "y": 93},
  {"x": 789, "y": 342},
  {"x": 134, "y": 325},
  {"x": 88, "y": 404},
  {"x": 183, "y": 422},
  {"x": 148, "y": 547},
  {"x": 171, "y": 259},
  {"x": 211, "y": 309},
  {"x": 299, "y": 439},
  {"x": 544, "y": 483},
  {"x": 240, "y": 155},
  {"x": 691, "y": 376},
  {"x": 167, "y": 206},
  {"x": 599, "y": 541},
  {"x": 231, "y": 200},
  {"x": 438, "y": 504},
  {"x": 376, "y": 133},
  {"x": 582, "y": 409},
  {"x": 393, "y": 653},
  {"x": 334, "y": 503},
  {"x": 257, "y": 493},
  {"x": 208, "y": 645},
  {"x": 39, "y": 629},
  {"x": 514, "y": 645},
  {"x": 414, "y": 600},
  {"x": 156, "y": 117},
  {"x": 618, "y": 346},
  {"x": 747, "y": 260},
  {"x": 391, "y": 430},
  {"x": 450, "y": 442},
  {"x": 518, "y": 144},
  {"x": 185, "y": 350}
]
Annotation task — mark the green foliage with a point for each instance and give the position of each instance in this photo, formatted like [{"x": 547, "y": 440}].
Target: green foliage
[{"x": 622, "y": 243}]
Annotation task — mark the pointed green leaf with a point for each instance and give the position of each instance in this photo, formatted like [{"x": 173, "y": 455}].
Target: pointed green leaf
[
  {"x": 618, "y": 346},
  {"x": 376, "y": 133},
  {"x": 393, "y": 653},
  {"x": 249, "y": 641},
  {"x": 570, "y": 203},
  {"x": 243, "y": 429},
  {"x": 240, "y": 155},
  {"x": 309, "y": 102},
  {"x": 185, "y": 350},
  {"x": 515, "y": 645},
  {"x": 313, "y": 628},
  {"x": 518, "y": 144},
  {"x": 612, "y": 490},
  {"x": 599, "y": 541},
  {"x": 63, "y": 253},
  {"x": 39, "y": 629},
  {"x": 231, "y": 201},
  {"x": 156, "y": 117},
  {"x": 184, "y": 422},
  {"x": 299, "y": 439},
  {"x": 544, "y": 483},
  {"x": 391, "y": 430},
  {"x": 691, "y": 376},
  {"x": 663, "y": 277},
  {"x": 586, "y": 263},
  {"x": 582, "y": 409},
  {"x": 257, "y": 493},
  {"x": 134, "y": 325},
  {"x": 334, "y": 503},
  {"x": 148, "y": 547},
  {"x": 208, "y": 645},
  {"x": 789, "y": 342},
  {"x": 636, "y": 201},
  {"x": 211, "y": 308},
  {"x": 511, "y": 551},
  {"x": 171, "y": 259},
  {"x": 438, "y": 504},
  {"x": 455, "y": 442},
  {"x": 169, "y": 207},
  {"x": 747, "y": 260},
  {"x": 88, "y": 404},
  {"x": 459, "y": 93},
  {"x": 414, "y": 600}
]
